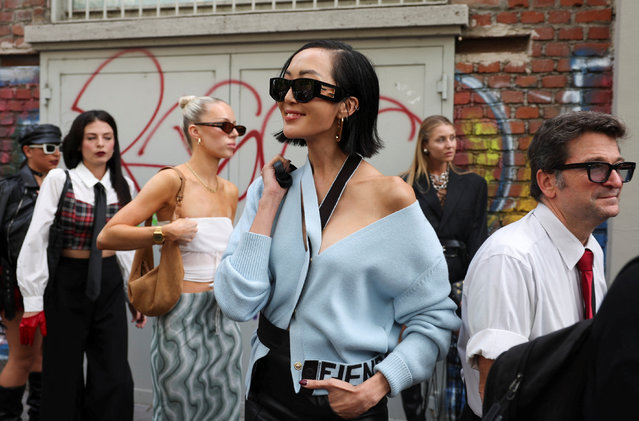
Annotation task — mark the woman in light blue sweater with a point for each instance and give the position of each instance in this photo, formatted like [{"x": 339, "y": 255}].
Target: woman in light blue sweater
[{"x": 336, "y": 263}]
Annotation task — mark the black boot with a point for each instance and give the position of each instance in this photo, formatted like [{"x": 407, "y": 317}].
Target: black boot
[
  {"x": 11, "y": 403},
  {"x": 35, "y": 391}
]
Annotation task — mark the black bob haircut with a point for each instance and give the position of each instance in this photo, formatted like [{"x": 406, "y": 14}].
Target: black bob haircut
[
  {"x": 72, "y": 150},
  {"x": 354, "y": 73}
]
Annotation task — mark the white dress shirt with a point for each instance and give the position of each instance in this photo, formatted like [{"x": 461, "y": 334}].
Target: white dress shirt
[
  {"x": 32, "y": 268},
  {"x": 522, "y": 283}
]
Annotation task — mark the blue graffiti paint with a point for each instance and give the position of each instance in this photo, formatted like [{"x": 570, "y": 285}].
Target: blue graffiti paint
[
  {"x": 19, "y": 75},
  {"x": 582, "y": 69},
  {"x": 29, "y": 119},
  {"x": 508, "y": 171},
  {"x": 589, "y": 51}
]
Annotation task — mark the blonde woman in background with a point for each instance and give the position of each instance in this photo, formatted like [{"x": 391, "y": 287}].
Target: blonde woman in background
[
  {"x": 195, "y": 349},
  {"x": 454, "y": 202}
]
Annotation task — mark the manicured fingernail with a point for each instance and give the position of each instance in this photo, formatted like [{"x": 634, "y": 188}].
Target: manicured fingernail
[{"x": 303, "y": 382}]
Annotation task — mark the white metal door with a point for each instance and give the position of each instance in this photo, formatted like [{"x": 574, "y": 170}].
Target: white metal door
[{"x": 141, "y": 89}]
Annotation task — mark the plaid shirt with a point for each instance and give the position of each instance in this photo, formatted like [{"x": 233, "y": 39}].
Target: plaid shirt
[{"x": 77, "y": 221}]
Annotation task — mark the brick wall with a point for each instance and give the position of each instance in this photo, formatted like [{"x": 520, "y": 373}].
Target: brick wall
[
  {"x": 518, "y": 63},
  {"x": 19, "y": 105},
  {"x": 537, "y": 59},
  {"x": 19, "y": 76},
  {"x": 14, "y": 16}
]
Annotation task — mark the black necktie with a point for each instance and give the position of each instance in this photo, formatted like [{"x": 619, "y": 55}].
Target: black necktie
[{"x": 94, "y": 276}]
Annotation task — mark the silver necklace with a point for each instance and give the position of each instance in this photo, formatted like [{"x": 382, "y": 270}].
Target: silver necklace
[{"x": 439, "y": 182}]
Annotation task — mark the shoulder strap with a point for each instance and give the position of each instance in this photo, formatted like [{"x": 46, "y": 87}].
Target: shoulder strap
[
  {"x": 65, "y": 189},
  {"x": 179, "y": 196},
  {"x": 329, "y": 202},
  {"x": 527, "y": 374}
]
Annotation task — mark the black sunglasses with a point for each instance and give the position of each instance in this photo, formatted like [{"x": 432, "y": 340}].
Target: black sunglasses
[
  {"x": 226, "y": 126},
  {"x": 47, "y": 148},
  {"x": 599, "y": 172},
  {"x": 304, "y": 89}
]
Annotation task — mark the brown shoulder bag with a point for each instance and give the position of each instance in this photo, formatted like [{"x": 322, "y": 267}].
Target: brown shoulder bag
[{"x": 154, "y": 291}]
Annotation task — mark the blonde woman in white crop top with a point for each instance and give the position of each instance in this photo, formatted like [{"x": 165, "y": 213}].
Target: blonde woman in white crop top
[{"x": 194, "y": 340}]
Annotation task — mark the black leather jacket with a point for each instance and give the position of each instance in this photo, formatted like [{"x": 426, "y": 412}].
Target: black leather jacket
[{"x": 18, "y": 194}]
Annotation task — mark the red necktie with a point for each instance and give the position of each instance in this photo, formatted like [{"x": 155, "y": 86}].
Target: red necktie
[{"x": 585, "y": 268}]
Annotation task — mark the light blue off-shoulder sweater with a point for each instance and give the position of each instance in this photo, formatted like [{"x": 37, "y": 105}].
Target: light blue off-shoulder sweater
[{"x": 353, "y": 297}]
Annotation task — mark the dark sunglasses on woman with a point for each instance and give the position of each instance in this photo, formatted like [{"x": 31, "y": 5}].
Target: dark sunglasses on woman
[
  {"x": 226, "y": 126},
  {"x": 304, "y": 89}
]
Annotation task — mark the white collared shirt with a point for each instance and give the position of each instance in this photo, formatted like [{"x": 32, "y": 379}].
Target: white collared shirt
[
  {"x": 522, "y": 283},
  {"x": 32, "y": 268}
]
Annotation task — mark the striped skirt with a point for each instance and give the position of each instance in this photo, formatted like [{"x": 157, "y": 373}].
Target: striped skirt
[{"x": 195, "y": 362}]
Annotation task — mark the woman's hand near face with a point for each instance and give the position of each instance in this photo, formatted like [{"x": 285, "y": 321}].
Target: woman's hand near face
[
  {"x": 271, "y": 186},
  {"x": 271, "y": 198},
  {"x": 181, "y": 230}
]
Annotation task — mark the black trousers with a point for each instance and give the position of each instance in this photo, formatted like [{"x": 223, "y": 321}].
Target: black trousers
[
  {"x": 469, "y": 415},
  {"x": 413, "y": 403},
  {"x": 272, "y": 397},
  {"x": 77, "y": 327}
]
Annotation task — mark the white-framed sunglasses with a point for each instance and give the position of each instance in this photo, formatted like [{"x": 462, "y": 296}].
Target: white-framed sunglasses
[{"x": 47, "y": 148}]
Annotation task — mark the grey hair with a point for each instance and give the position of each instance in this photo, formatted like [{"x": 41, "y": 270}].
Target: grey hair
[{"x": 192, "y": 109}]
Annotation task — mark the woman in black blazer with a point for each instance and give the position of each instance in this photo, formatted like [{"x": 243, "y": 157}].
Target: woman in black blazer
[{"x": 454, "y": 202}]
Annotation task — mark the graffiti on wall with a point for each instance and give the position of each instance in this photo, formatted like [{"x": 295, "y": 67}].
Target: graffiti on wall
[
  {"x": 508, "y": 169},
  {"x": 133, "y": 153},
  {"x": 136, "y": 153},
  {"x": 19, "y": 75},
  {"x": 586, "y": 72}
]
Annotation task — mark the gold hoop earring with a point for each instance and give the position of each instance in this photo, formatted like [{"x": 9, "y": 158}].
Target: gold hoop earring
[
  {"x": 340, "y": 126},
  {"x": 199, "y": 141}
]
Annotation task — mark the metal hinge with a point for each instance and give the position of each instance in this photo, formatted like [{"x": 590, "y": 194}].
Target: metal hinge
[
  {"x": 45, "y": 93},
  {"x": 442, "y": 86}
]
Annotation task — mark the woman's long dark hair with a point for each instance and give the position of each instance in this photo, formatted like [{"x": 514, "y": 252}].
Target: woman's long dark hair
[{"x": 72, "y": 150}]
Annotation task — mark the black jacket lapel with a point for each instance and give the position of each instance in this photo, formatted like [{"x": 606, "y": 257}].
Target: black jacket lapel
[
  {"x": 454, "y": 192},
  {"x": 429, "y": 203}
]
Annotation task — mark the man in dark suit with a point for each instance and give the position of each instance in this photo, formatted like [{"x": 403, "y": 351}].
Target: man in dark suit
[{"x": 612, "y": 387}]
